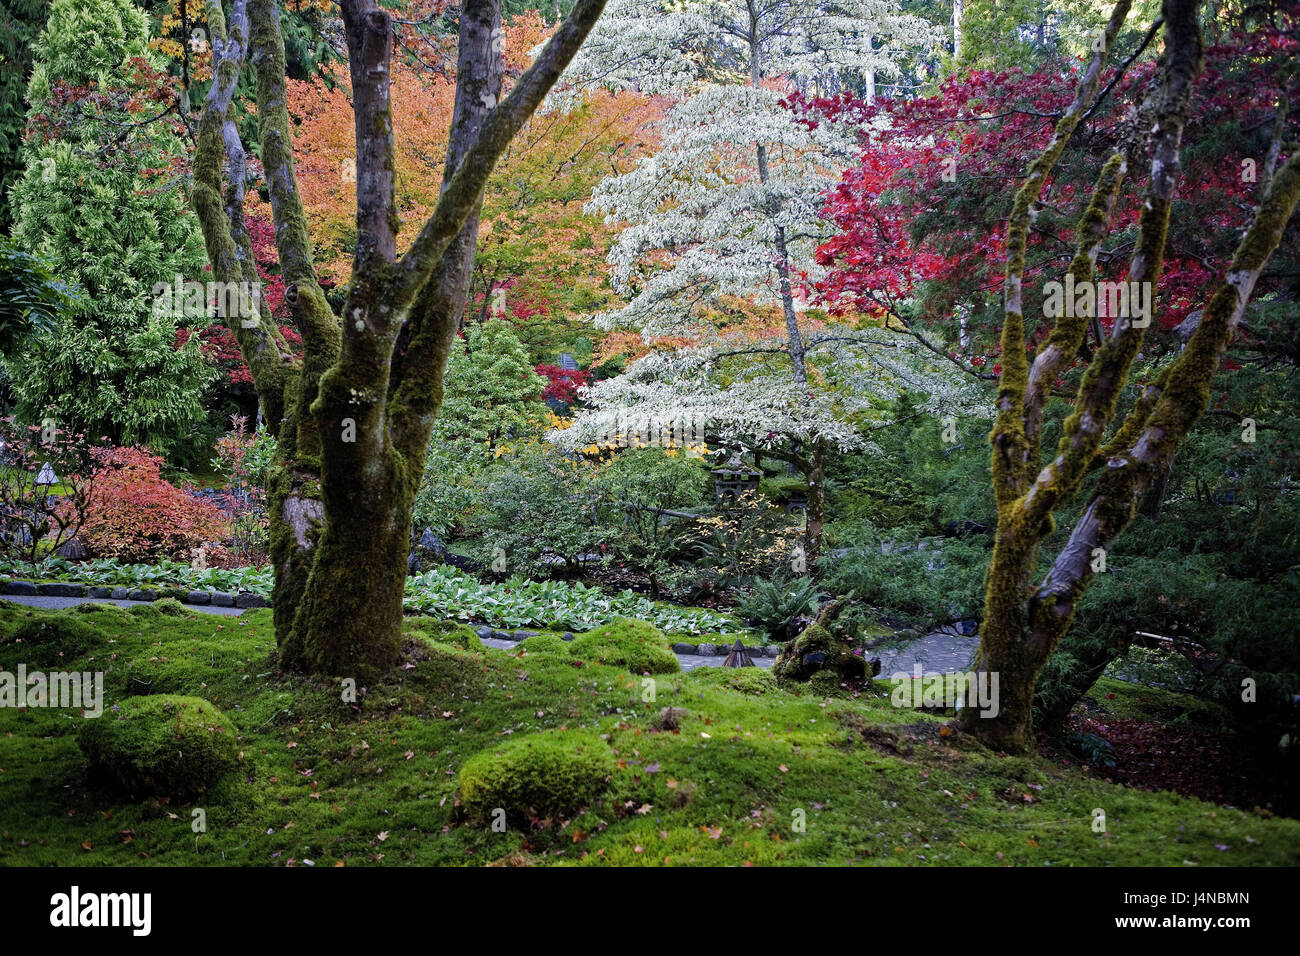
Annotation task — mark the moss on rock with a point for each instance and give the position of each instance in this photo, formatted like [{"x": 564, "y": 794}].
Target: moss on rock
[
  {"x": 626, "y": 642},
  {"x": 165, "y": 745},
  {"x": 553, "y": 774},
  {"x": 818, "y": 648}
]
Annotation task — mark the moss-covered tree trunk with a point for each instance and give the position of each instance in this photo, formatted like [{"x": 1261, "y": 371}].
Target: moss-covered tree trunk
[
  {"x": 1023, "y": 622},
  {"x": 349, "y": 618},
  {"x": 816, "y": 503},
  {"x": 354, "y": 414}
]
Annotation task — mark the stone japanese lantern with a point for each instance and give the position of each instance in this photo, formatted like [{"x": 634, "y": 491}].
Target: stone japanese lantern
[{"x": 733, "y": 478}]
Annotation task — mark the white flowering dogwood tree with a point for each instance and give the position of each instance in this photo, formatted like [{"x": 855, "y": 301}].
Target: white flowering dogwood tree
[
  {"x": 728, "y": 211},
  {"x": 729, "y": 206}
]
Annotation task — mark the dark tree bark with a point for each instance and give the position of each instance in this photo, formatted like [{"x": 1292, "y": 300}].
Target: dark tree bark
[
  {"x": 1023, "y": 623},
  {"x": 354, "y": 416}
]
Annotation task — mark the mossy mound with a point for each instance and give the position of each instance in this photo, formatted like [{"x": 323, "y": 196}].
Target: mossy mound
[
  {"x": 170, "y": 607},
  {"x": 818, "y": 648},
  {"x": 145, "y": 612},
  {"x": 827, "y": 683},
  {"x": 543, "y": 775},
  {"x": 47, "y": 641},
  {"x": 640, "y": 647},
  {"x": 747, "y": 680},
  {"x": 446, "y": 632},
  {"x": 98, "y": 607},
  {"x": 164, "y": 745},
  {"x": 545, "y": 644},
  {"x": 447, "y": 671}
]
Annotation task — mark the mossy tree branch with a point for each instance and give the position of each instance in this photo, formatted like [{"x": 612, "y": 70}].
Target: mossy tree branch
[
  {"x": 1011, "y": 463},
  {"x": 1067, "y": 335},
  {"x": 1173, "y": 404},
  {"x": 462, "y": 193},
  {"x": 225, "y": 232},
  {"x": 416, "y": 389},
  {"x": 1011, "y": 642},
  {"x": 1107, "y": 374}
]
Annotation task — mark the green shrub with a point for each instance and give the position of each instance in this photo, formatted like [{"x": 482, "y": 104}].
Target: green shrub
[
  {"x": 775, "y": 602},
  {"x": 943, "y": 581},
  {"x": 545, "y": 644},
  {"x": 540, "y": 514},
  {"x": 164, "y": 744},
  {"x": 782, "y": 488},
  {"x": 636, "y": 645},
  {"x": 543, "y": 774},
  {"x": 636, "y": 488},
  {"x": 53, "y": 638}
]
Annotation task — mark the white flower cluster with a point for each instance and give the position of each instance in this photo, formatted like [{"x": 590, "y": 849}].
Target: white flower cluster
[{"x": 749, "y": 398}]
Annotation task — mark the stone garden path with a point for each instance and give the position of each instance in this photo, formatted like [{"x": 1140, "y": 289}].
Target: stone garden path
[{"x": 937, "y": 651}]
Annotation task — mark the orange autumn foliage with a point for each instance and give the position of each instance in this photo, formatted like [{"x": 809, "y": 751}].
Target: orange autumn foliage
[
  {"x": 134, "y": 514},
  {"x": 535, "y": 240}
]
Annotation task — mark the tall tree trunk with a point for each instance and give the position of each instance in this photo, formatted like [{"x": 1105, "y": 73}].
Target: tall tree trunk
[
  {"x": 349, "y": 622},
  {"x": 794, "y": 338},
  {"x": 350, "y": 617},
  {"x": 957, "y": 8},
  {"x": 816, "y": 505}
]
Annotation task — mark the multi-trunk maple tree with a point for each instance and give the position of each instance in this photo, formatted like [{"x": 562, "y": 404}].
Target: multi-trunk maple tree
[{"x": 353, "y": 416}]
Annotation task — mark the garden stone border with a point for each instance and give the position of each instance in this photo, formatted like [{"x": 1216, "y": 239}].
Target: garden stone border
[{"x": 244, "y": 599}]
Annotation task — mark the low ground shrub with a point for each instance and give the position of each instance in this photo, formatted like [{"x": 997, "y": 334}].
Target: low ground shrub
[{"x": 134, "y": 514}]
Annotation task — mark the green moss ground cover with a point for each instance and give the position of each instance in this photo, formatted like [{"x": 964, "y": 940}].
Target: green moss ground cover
[{"x": 740, "y": 772}]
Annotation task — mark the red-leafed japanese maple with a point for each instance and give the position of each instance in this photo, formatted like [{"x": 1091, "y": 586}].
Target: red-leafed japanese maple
[
  {"x": 562, "y": 384},
  {"x": 922, "y": 218},
  {"x": 134, "y": 514},
  {"x": 1170, "y": 232}
]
